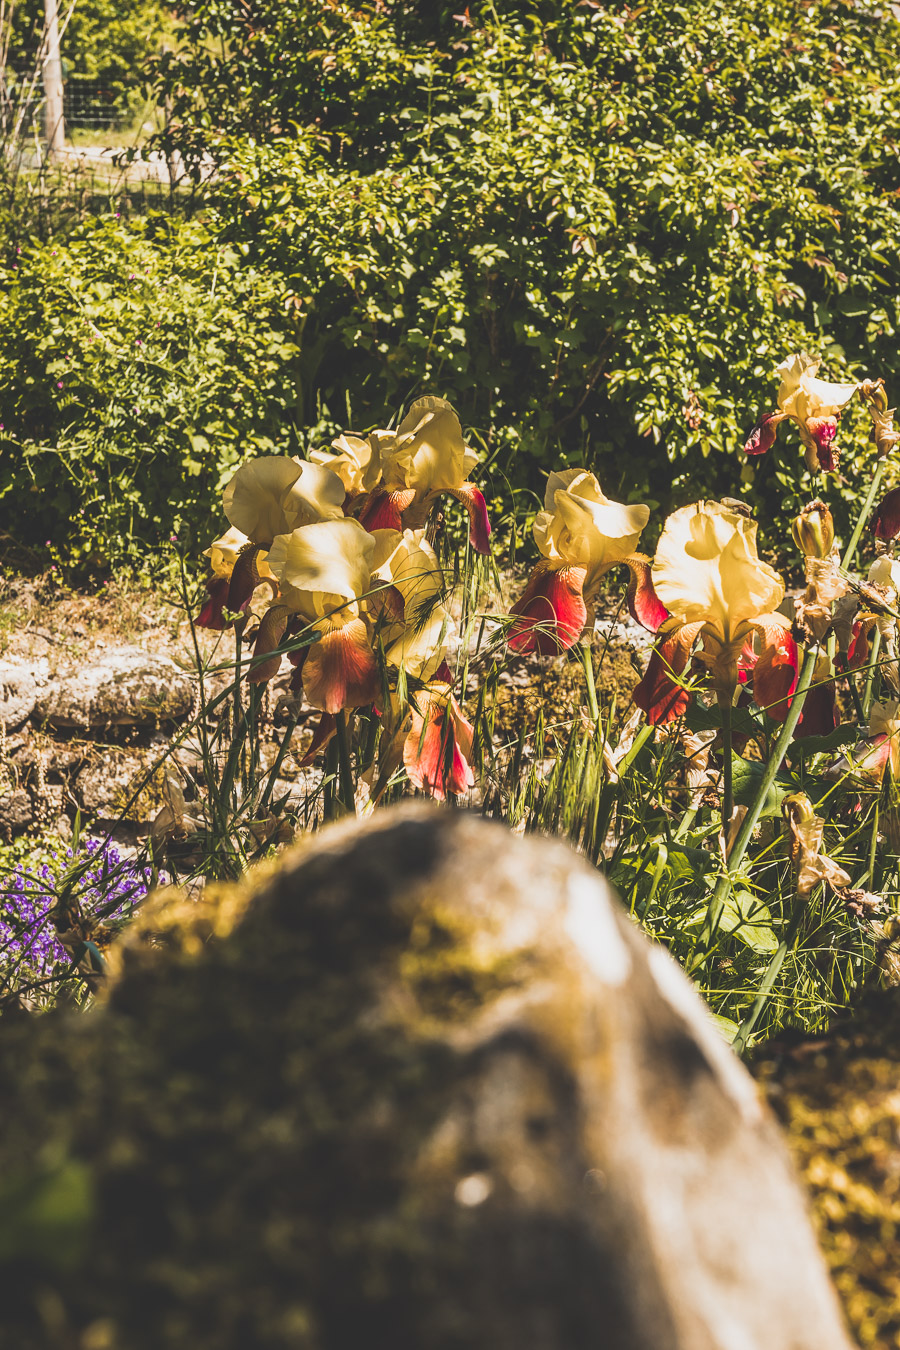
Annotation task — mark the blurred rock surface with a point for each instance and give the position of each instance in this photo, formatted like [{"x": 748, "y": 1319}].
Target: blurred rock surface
[{"x": 422, "y": 1086}]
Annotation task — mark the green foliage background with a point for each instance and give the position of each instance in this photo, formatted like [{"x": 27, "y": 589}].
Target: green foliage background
[{"x": 595, "y": 228}]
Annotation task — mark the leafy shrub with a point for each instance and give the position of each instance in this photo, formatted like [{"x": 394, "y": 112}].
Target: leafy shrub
[
  {"x": 594, "y": 228},
  {"x": 139, "y": 362}
]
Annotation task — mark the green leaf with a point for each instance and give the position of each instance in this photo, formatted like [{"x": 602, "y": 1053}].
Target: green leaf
[
  {"x": 747, "y": 918},
  {"x": 747, "y": 777}
]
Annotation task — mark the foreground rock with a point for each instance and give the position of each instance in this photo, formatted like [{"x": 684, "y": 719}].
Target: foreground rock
[
  {"x": 126, "y": 687},
  {"x": 426, "y": 1089}
]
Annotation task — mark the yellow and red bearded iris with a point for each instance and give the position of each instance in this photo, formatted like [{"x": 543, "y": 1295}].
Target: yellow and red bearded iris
[
  {"x": 581, "y": 536},
  {"x": 719, "y": 595}
]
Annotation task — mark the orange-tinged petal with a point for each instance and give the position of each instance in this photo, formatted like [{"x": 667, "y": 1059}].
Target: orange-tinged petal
[
  {"x": 644, "y": 604},
  {"x": 775, "y": 670},
  {"x": 436, "y": 751},
  {"x": 384, "y": 509},
  {"x": 659, "y": 693},
  {"x": 325, "y": 729},
  {"x": 472, "y": 499},
  {"x": 550, "y": 616},
  {"x": 340, "y": 670}
]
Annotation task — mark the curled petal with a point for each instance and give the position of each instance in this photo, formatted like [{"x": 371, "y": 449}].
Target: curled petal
[
  {"x": 551, "y": 615},
  {"x": 210, "y": 615},
  {"x": 886, "y": 520},
  {"x": 384, "y": 510},
  {"x": 268, "y": 639},
  {"x": 340, "y": 670},
  {"x": 323, "y": 733},
  {"x": 659, "y": 693},
  {"x": 644, "y": 604},
  {"x": 223, "y": 552},
  {"x": 775, "y": 670},
  {"x": 437, "y": 750},
  {"x": 246, "y": 576},
  {"x": 762, "y": 437},
  {"x": 858, "y": 653},
  {"x": 472, "y": 499},
  {"x": 822, "y": 431}
]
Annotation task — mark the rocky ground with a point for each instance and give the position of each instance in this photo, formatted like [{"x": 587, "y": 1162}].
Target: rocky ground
[{"x": 96, "y": 688}]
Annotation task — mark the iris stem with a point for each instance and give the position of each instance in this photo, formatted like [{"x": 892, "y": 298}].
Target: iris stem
[
  {"x": 348, "y": 794},
  {"x": 727, "y": 780},
  {"x": 751, "y": 820},
  {"x": 850, "y": 551},
  {"x": 587, "y": 662}
]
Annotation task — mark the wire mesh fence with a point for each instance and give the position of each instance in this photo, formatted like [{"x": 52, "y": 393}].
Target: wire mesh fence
[{"x": 87, "y": 104}]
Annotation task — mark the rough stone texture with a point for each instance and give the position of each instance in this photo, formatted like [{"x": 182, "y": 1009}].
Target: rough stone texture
[
  {"x": 426, "y": 1088},
  {"x": 128, "y": 687},
  {"x": 107, "y": 782},
  {"x": 21, "y": 684},
  {"x": 16, "y": 812},
  {"x": 839, "y": 1098}
]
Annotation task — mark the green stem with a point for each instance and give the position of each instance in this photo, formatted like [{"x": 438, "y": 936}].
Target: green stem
[
  {"x": 348, "y": 793},
  {"x": 870, "y": 677},
  {"x": 727, "y": 780},
  {"x": 587, "y": 663},
  {"x": 751, "y": 820},
  {"x": 850, "y": 550}
]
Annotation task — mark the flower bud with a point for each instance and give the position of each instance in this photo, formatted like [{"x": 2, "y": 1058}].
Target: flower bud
[
  {"x": 813, "y": 530},
  {"x": 886, "y": 520},
  {"x": 873, "y": 391}
]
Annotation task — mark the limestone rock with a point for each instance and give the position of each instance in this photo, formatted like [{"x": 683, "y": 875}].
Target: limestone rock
[
  {"x": 107, "y": 782},
  {"x": 127, "y": 687},
  {"x": 423, "y": 1088},
  {"x": 21, "y": 684},
  {"x": 16, "y": 812}
]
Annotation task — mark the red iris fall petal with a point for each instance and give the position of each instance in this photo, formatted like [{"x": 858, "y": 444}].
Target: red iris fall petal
[
  {"x": 659, "y": 693},
  {"x": 886, "y": 520},
  {"x": 644, "y": 604},
  {"x": 435, "y": 753},
  {"x": 340, "y": 670},
  {"x": 550, "y": 616},
  {"x": 384, "y": 509},
  {"x": 211, "y": 615},
  {"x": 775, "y": 671},
  {"x": 472, "y": 499},
  {"x": 762, "y": 437}
]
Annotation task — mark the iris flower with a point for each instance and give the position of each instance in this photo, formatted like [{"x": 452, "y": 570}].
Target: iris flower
[
  {"x": 813, "y": 404},
  {"x": 581, "y": 535},
  {"x": 717, "y": 592},
  {"x": 426, "y": 457},
  {"x": 324, "y": 575}
]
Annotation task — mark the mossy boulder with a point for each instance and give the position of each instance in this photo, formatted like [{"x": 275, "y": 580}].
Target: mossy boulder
[{"x": 421, "y": 1086}]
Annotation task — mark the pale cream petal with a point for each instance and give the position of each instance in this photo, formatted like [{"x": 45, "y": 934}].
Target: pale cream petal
[
  {"x": 424, "y": 646},
  {"x": 429, "y": 454},
  {"x": 791, "y": 372},
  {"x": 254, "y": 498},
  {"x": 583, "y": 527},
  {"x": 707, "y": 569},
  {"x": 885, "y": 572},
  {"x": 356, "y": 462},
  {"x": 223, "y": 552},
  {"x": 322, "y": 565},
  {"x": 317, "y": 494}
]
